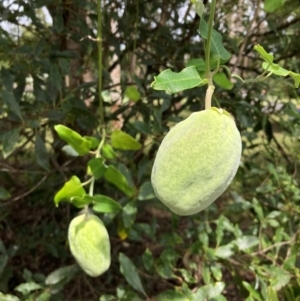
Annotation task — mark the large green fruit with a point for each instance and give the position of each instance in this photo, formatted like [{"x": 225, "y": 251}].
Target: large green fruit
[
  {"x": 197, "y": 161},
  {"x": 89, "y": 244}
]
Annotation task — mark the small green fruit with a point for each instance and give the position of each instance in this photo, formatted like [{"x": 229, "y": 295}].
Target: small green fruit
[
  {"x": 197, "y": 161},
  {"x": 89, "y": 244}
]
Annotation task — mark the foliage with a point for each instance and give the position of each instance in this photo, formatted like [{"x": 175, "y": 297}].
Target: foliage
[{"x": 244, "y": 246}]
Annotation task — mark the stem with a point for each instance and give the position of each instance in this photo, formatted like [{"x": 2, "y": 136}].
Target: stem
[
  {"x": 208, "y": 73},
  {"x": 209, "y": 35},
  {"x": 208, "y": 96},
  {"x": 99, "y": 42}
]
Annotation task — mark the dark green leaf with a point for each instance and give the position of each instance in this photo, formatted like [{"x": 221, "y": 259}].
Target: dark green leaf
[
  {"x": 216, "y": 41},
  {"x": 4, "y": 194},
  {"x": 130, "y": 273},
  {"x": 72, "y": 188},
  {"x": 115, "y": 177},
  {"x": 123, "y": 141},
  {"x": 9, "y": 99},
  {"x": 146, "y": 192},
  {"x": 129, "y": 214},
  {"x": 10, "y": 140},
  {"x": 105, "y": 204},
  {"x": 41, "y": 152},
  {"x": 81, "y": 145}
]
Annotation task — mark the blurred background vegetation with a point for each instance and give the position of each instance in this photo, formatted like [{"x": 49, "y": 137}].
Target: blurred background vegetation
[{"x": 243, "y": 247}]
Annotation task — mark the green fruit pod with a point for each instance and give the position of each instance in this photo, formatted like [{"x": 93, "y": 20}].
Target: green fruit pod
[
  {"x": 197, "y": 161},
  {"x": 89, "y": 244}
]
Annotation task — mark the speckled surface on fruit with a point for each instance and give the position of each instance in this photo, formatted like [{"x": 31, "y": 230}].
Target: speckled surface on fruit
[
  {"x": 197, "y": 161},
  {"x": 89, "y": 244}
]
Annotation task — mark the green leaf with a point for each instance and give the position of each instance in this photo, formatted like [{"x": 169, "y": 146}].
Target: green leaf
[
  {"x": 209, "y": 291},
  {"x": 69, "y": 151},
  {"x": 26, "y": 288},
  {"x": 9, "y": 99},
  {"x": 148, "y": 260},
  {"x": 44, "y": 296},
  {"x": 4, "y": 194},
  {"x": 41, "y": 153},
  {"x": 252, "y": 291},
  {"x": 280, "y": 278},
  {"x": 8, "y": 297},
  {"x": 72, "y": 188},
  {"x": 263, "y": 54},
  {"x": 216, "y": 41},
  {"x": 221, "y": 80},
  {"x": 105, "y": 204},
  {"x": 199, "y": 7},
  {"x": 61, "y": 274},
  {"x": 171, "y": 295},
  {"x": 173, "y": 82},
  {"x": 108, "y": 152},
  {"x": 123, "y": 141},
  {"x": 9, "y": 142},
  {"x": 146, "y": 192},
  {"x": 272, "y": 5},
  {"x": 94, "y": 141},
  {"x": 129, "y": 214},
  {"x": 247, "y": 241},
  {"x": 130, "y": 273},
  {"x": 272, "y": 294},
  {"x": 80, "y": 202},
  {"x": 97, "y": 167},
  {"x": 81, "y": 145},
  {"x": 115, "y": 177},
  {"x": 132, "y": 93},
  {"x": 276, "y": 69}
]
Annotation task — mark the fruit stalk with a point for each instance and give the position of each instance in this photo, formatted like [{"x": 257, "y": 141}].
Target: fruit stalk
[{"x": 208, "y": 73}]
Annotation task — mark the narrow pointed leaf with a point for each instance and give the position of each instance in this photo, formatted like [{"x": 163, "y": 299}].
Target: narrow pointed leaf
[
  {"x": 61, "y": 274},
  {"x": 105, "y": 204},
  {"x": 123, "y": 141},
  {"x": 9, "y": 142},
  {"x": 130, "y": 273},
  {"x": 42, "y": 156},
  {"x": 115, "y": 177},
  {"x": 81, "y": 145},
  {"x": 173, "y": 82},
  {"x": 9, "y": 99}
]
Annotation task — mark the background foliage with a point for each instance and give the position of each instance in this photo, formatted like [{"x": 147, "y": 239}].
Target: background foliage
[{"x": 243, "y": 247}]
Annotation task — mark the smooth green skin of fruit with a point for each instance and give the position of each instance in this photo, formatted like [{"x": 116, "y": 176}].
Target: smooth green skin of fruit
[
  {"x": 197, "y": 161},
  {"x": 89, "y": 244}
]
